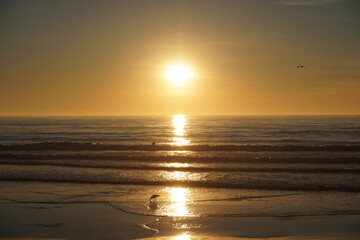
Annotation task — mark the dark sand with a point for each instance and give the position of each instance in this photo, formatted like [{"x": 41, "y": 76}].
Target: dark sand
[
  {"x": 92, "y": 216},
  {"x": 99, "y": 221}
]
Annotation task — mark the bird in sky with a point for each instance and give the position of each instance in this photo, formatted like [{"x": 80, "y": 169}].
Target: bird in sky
[{"x": 300, "y": 66}]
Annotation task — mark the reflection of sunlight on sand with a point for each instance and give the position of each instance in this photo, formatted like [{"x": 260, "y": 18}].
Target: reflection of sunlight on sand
[
  {"x": 179, "y": 123},
  {"x": 183, "y": 236},
  {"x": 178, "y": 199}
]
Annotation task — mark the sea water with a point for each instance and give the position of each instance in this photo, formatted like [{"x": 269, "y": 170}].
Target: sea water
[{"x": 201, "y": 166}]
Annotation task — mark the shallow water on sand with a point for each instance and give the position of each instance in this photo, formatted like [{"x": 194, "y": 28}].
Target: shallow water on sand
[
  {"x": 85, "y": 211},
  {"x": 185, "y": 201}
]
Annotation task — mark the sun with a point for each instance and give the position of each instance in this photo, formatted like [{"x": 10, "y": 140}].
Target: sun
[{"x": 178, "y": 74}]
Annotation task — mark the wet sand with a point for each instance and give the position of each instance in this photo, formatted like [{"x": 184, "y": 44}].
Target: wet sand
[
  {"x": 85, "y": 211},
  {"x": 99, "y": 221},
  {"x": 239, "y": 238},
  {"x": 205, "y": 238}
]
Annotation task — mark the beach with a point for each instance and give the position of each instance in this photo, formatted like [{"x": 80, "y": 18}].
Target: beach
[
  {"x": 180, "y": 120},
  {"x": 238, "y": 179},
  {"x": 39, "y": 210}
]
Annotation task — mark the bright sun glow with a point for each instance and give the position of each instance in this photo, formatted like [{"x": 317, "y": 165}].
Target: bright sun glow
[{"x": 178, "y": 74}]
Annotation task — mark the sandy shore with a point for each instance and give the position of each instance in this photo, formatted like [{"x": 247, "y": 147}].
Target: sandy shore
[
  {"x": 99, "y": 221},
  {"x": 188, "y": 237},
  {"x": 64, "y": 211},
  {"x": 239, "y": 238}
]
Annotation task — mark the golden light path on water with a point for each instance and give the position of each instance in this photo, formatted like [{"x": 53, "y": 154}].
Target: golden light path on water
[
  {"x": 178, "y": 197},
  {"x": 179, "y": 123},
  {"x": 177, "y": 204},
  {"x": 177, "y": 165}
]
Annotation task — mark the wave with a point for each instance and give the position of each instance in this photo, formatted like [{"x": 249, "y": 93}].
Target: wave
[
  {"x": 199, "y": 184},
  {"x": 127, "y": 201},
  {"x": 137, "y": 208},
  {"x": 80, "y": 157},
  {"x": 190, "y": 169},
  {"x": 272, "y": 215},
  {"x": 77, "y": 146}
]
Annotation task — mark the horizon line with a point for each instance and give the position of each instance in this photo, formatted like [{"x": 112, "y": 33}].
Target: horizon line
[{"x": 119, "y": 115}]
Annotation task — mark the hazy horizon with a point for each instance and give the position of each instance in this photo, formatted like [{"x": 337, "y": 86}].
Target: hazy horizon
[{"x": 149, "y": 115}]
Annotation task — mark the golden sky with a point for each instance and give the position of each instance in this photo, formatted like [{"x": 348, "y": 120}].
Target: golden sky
[{"x": 109, "y": 57}]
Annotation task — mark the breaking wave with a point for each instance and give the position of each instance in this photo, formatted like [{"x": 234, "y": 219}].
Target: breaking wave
[
  {"x": 188, "y": 169},
  {"x": 77, "y": 146},
  {"x": 168, "y": 157},
  {"x": 199, "y": 184}
]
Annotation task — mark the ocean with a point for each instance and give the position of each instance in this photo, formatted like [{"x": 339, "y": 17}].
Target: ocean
[{"x": 201, "y": 166}]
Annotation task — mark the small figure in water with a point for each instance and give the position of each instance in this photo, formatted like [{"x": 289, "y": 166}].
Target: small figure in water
[{"x": 153, "y": 143}]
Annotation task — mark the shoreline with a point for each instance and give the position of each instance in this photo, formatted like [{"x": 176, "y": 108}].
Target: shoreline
[
  {"x": 82, "y": 222},
  {"x": 93, "y": 218}
]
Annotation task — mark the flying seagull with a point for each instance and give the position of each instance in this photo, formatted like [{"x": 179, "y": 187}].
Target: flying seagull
[{"x": 300, "y": 66}]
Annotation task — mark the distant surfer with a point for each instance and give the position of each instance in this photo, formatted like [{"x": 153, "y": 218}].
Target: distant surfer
[{"x": 153, "y": 143}]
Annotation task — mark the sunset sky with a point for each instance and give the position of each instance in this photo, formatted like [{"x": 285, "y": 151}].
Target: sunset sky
[{"x": 86, "y": 57}]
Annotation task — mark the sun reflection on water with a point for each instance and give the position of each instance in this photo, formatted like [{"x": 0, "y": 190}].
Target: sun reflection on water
[
  {"x": 177, "y": 173},
  {"x": 177, "y": 205},
  {"x": 179, "y": 123},
  {"x": 177, "y": 165},
  {"x": 179, "y": 176}
]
